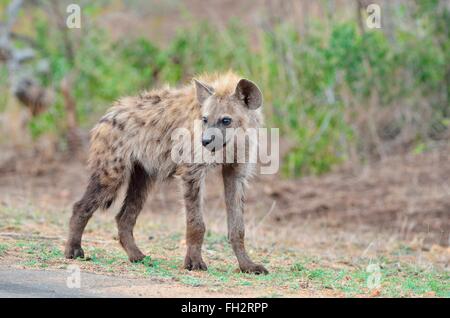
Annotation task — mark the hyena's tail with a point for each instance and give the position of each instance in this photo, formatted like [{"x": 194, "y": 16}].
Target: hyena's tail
[
  {"x": 106, "y": 205},
  {"x": 100, "y": 194},
  {"x": 109, "y": 195}
]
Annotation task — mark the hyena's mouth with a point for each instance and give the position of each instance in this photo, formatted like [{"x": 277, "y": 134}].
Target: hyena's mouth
[
  {"x": 213, "y": 150},
  {"x": 213, "y": 147},
  {"x": 217, "y": 143}
]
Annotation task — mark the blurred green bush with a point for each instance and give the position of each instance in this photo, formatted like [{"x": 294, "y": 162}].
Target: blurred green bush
[{"x": 324, "y": 90}]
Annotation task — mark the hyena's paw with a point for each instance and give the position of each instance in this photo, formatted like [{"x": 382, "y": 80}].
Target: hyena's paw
[
  {"x": 72, "y": 252},
  {"x": 194, "y": 264},
  {"x": 256, "y": 269},
  {"x": 136, "y": 257}
]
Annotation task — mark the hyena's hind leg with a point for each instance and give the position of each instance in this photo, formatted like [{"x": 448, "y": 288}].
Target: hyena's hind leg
[
  {"x": 135, "y": 198},
  {"x": 97, "y": 195}
]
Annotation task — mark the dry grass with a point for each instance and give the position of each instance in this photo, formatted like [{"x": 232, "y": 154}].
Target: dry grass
[{"x": 303, "y": 261}]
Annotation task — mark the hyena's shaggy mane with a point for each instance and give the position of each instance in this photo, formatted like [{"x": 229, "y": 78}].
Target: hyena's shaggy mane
[{"x": 224, "y": 84}]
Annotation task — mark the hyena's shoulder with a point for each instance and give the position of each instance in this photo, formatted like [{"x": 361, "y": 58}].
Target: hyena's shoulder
[
  {"x": 168, "y": 103},
  {"x": 148, "y": 109},
  {"x": 136, "y": 122}
]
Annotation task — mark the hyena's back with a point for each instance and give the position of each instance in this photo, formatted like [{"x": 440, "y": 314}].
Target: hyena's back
[{"x": 138, "y": 130}]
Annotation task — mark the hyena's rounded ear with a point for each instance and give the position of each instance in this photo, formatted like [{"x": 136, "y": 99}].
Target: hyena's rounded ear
[
  {"x": 203, "y": 91},
  {"x": 247, "y": 92}
]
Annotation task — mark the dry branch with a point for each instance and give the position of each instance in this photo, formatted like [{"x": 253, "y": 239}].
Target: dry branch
[{"x": 74, "y": 140}]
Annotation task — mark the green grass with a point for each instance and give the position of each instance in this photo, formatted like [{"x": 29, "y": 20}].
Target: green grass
[
  {"x": 3, "y": 249},
  {"x": 291, "y": 272},
  {"x": 293, "y": 275}
]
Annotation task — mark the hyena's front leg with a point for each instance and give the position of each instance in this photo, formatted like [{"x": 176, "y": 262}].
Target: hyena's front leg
[
  {"x": 195, "y": 227},
  {"x": 234, "y": 178}
]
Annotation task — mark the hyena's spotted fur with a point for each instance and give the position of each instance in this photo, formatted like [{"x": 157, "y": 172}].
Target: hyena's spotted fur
[{"x": 131, "y": 145}]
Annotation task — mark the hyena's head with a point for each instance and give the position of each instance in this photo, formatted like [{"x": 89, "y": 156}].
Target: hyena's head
[{"x": 227, "y": 112}]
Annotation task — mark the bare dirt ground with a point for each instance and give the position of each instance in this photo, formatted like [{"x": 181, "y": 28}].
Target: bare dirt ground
[
  {"x": 317, "y": 235},
  {"x": 405, "y": 196}
]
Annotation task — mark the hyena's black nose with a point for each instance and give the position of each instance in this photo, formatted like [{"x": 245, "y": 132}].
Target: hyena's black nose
[{"x": 207, "y": 140}]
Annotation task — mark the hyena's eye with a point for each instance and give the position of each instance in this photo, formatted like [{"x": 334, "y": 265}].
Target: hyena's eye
[
  {"x": 226, "y": 121},
  {"x": 205, "y": 120}
]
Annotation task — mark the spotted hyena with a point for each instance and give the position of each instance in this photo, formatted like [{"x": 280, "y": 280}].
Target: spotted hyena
[{"x": 131, "y": 145}]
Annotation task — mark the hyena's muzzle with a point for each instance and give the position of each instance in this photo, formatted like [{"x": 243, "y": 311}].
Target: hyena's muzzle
[{"x": 214, "y": 139}]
